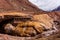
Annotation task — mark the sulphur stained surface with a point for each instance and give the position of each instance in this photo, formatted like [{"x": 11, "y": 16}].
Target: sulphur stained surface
[{"x": 29, "y": 28}]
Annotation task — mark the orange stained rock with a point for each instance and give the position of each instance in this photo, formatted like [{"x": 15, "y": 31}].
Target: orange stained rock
[{"x": 45, "y": 20}]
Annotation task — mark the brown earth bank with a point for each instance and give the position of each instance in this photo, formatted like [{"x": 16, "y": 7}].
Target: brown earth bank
[{"x": 25, "y": 8}]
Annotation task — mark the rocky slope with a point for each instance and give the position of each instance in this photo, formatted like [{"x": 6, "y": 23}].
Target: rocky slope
[{"x": 17, "y": 5}]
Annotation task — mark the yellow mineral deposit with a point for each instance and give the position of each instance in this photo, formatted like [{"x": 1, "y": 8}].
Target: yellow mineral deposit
[
  {"x": 44, "y": 20},
  {"x": 13, "y": 14},
  {"x": 27, "y": 28}
]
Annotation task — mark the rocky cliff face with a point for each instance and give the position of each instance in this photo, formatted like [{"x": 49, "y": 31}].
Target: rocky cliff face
[{"x": 41, "y": 19}]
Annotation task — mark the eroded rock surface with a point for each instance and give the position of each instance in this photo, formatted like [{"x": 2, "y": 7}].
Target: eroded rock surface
[{"x": 24, "y": 8}]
